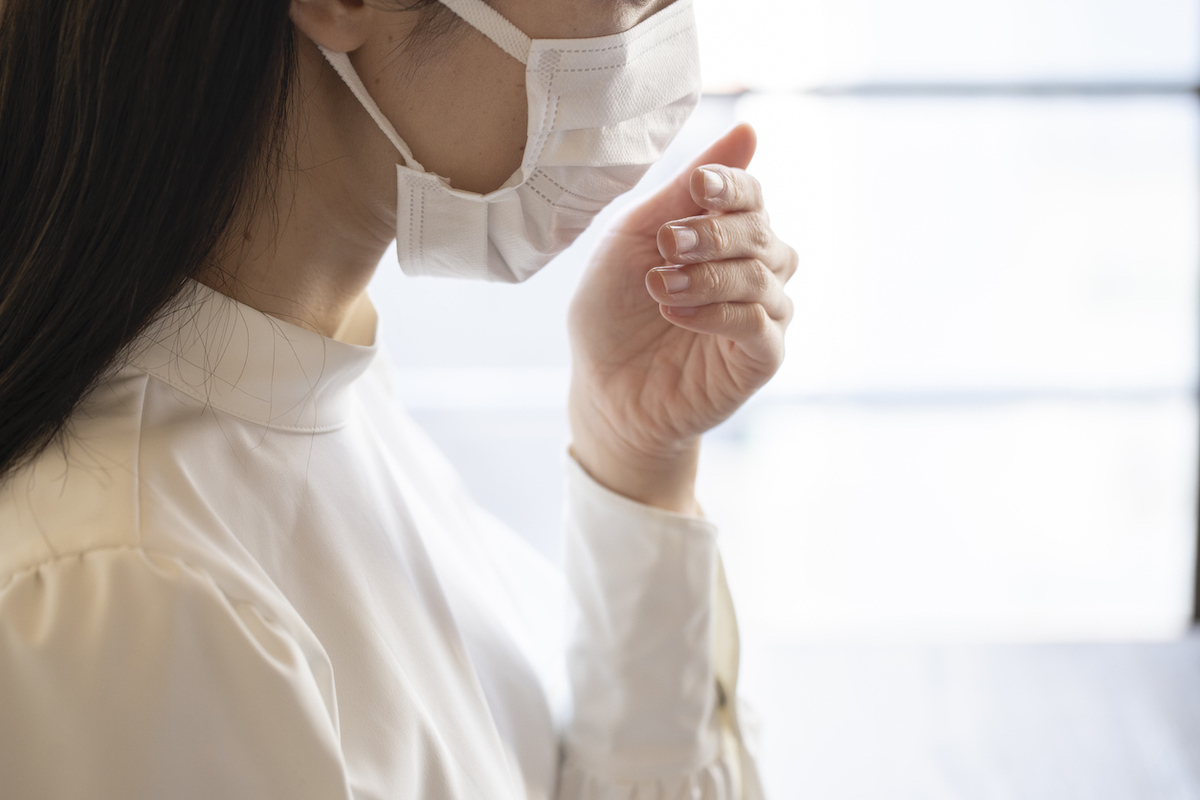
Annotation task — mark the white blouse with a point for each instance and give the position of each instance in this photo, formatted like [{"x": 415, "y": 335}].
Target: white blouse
[{"x": 245, "y": 573}]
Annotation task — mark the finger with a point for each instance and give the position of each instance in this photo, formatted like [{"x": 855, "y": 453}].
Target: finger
[
  {"x": 783, "y": 260},
  {"x": 717, "y": 187},
  {"x": 674, "y": 200},
  {"x": 741, "y": 234},
  {"x": 747, "y": 324},
  {"x": 738, "y": 281}
]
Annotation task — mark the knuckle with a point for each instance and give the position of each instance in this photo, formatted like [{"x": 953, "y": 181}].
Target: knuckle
[
  {"x": 711, "y": 281},
  {"x": 759, "y": 277},
  {"x": 743, "y": 183},
  {"x": 755, "y": 189},
  {"x": 762, "y": 321},
  {"x": 793, "y": 263},
  {"x": 729, "y": 316},
  {"x": 718, "y": 237},
  {"x": 760, "y": 231}
]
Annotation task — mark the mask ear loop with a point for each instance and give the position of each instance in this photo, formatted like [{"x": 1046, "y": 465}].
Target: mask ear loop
[
  {"x": 488, "y": 21},
  {"x": 341, "y": 63},
  {"x": 476, "y": 13}
]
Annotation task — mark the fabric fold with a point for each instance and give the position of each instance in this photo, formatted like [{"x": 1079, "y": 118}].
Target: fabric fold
[
  {"x": 640, "y": 652},
  {"x": 653, "y": 655},
  {"x": 130, "y": 638}
]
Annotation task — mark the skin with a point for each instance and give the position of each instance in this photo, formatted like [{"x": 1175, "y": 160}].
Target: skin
[{"x": 652, "y": 369}]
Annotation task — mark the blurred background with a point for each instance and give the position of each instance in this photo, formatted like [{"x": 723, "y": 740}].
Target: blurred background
[{"x": 986, "y": 427}]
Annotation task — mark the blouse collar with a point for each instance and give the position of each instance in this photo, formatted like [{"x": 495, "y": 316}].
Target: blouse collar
[{"x": 251, "y": 365}]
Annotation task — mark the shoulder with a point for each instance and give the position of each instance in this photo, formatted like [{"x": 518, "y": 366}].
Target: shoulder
[
  {"x": 105, "y": 498},
  {"x": 114, "y": 480},
  {"x": 81, "y": 491},
  {"x": 92, "y": 511},
  {"x": 125, "y": 673}
]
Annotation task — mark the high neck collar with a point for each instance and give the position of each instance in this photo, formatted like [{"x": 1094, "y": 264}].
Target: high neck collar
[{"x": 243, "y": 362}]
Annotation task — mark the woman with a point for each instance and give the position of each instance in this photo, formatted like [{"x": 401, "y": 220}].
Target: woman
[{"x": 230, "y": 566}]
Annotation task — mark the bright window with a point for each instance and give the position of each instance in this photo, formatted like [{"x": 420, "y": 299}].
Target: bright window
[{"x": 986, "y": 427}]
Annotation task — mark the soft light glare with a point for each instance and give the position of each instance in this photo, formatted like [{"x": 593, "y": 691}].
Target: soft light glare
[
  {"x": 796, "y": 44},
  {"x": 985, "y": 428}
]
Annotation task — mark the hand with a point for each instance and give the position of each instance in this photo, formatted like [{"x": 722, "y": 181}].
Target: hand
[{"x": 679, "y": 318}]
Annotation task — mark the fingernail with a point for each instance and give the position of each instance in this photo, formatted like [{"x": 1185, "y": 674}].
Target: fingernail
[
  {"x": 674, "y": 280},
  {"x": 714, "y": 184},
  {"x": 686, "y": 239},
  {"x": 682, "y": 311}
]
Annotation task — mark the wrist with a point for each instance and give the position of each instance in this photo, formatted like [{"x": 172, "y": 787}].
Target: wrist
[{"x": 664, "y": 478}]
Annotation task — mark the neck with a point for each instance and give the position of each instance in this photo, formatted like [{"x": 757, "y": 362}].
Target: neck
[{"x": 307, "y": 250}]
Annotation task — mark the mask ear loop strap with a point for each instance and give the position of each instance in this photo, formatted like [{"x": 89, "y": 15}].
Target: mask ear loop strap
[
  {"x": 485, "y": 19},
  {"x": 341, "y": 63}
]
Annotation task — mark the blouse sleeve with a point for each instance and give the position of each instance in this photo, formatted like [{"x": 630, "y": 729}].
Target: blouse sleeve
[
  {"x": 126, "y": 675},
  {"x": 652, "y": 657}
]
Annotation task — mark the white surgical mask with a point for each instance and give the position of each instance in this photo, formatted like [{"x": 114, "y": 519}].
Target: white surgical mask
[{"x": 601, "y": 111}]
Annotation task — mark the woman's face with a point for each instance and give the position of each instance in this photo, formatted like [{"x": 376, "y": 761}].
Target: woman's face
[{"x": 459, "y": 100}]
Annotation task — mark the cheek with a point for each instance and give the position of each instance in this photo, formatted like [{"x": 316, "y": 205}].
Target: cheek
[
  {"x": 462, "y": 111},
  {"x": 576, "y": 19}
]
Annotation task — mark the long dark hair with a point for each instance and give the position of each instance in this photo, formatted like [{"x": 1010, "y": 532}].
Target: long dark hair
[{"x": 131, "y": 132}]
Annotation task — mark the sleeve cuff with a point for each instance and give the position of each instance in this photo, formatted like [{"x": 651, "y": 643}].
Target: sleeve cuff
[
  {"x": 581, "y": 484},
  {"x": 640, "y": 657}
]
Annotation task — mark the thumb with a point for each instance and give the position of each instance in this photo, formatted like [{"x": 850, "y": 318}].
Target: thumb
[{"x": 674, "y": 201}]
